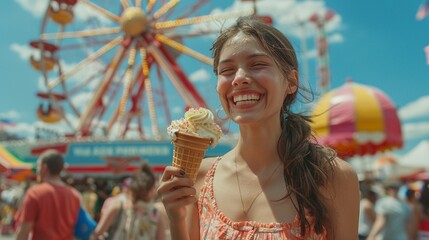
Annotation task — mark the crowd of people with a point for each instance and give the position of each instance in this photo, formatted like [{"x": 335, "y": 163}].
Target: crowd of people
[
  {"x": 49, "y": 208},
  {"x": 385, "y": 213}
]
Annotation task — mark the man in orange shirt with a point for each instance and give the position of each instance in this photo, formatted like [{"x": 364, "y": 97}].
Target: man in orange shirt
[{"x": 50, "y": 209}]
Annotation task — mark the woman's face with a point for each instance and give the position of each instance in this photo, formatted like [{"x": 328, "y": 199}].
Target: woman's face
[{"x": 250, "y": 85}]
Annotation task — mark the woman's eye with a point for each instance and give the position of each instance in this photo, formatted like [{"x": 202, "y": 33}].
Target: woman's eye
[
  {"x": 225, "y": 70},
  {"x": 258, "y": 65}
]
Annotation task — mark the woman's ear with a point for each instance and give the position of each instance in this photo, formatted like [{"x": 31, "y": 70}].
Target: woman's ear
[{"x": 292, "y": 79}]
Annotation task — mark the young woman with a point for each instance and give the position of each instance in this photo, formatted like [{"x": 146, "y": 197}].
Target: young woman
[
  {"x": 135, "y": 217},
  {"x": 277, "y": 183}
]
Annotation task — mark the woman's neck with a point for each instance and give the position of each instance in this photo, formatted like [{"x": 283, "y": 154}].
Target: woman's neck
[{"x": 258, "y": 148}]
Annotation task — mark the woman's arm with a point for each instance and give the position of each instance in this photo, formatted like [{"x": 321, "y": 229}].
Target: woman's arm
[
  {"x": 379, "y": 223},
  {"x": 107, "y": 219},
  {"x": 162, "y": 227},
  {"x": 179, "y": 196},
  {"x": 343, "y": 202}
]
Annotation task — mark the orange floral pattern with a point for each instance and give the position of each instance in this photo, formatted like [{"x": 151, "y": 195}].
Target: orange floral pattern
[{"x": 215, "y": 225}]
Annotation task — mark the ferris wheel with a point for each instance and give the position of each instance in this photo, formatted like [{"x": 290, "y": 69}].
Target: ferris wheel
[{"x": 106, "y": 65}]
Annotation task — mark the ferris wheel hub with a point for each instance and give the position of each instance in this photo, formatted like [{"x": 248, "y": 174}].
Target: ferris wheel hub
[{"x": 133, "y": 21}]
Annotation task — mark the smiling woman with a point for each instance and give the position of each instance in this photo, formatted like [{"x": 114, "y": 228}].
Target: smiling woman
[{"x": 277, "y": 183}]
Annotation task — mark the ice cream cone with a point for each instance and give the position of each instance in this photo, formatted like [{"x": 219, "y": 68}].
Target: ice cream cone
[{"x": 188, "y": 153}]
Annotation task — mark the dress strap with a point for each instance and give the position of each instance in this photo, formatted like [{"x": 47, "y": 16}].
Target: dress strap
[
  {"x": 208, "y": 179},
  {"x": 212, "y": 170}
]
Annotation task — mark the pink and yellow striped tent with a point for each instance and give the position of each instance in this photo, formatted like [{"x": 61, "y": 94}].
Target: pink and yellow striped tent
[{"x": 356, "y": 119}]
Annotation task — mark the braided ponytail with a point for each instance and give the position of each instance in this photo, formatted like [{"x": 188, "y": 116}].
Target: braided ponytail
[{"x": 306, "y": 169}]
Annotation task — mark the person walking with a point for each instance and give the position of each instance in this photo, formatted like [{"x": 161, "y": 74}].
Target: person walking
[
  {"x": 135, "y": 217},
  {"x": 49, "y": 210},
  {"x": 366, "y": 213},
  {"x": 277, "y": 182},
  {"x": 393, "y": 216}
]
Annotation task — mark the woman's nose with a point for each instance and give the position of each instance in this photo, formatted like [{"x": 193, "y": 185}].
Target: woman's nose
[{"x": 240, "y": 77}]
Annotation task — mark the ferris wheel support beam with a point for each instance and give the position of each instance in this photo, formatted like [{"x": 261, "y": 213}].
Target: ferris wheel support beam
[
  {"x": 115, "y": 114},
  {"x": 177, "y": 76},
  {"x": 149, "y": 94},
  {"x": 90, "y": 111},
  {"x": 134, "y": 107}
]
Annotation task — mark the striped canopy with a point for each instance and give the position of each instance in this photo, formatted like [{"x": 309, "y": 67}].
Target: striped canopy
[
  {"x": 355, "y": 119},
  {"x": 10, "y": 161}
]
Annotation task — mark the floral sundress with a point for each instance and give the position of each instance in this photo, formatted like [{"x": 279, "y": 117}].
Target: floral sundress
[{"x": 215, "y": 225}]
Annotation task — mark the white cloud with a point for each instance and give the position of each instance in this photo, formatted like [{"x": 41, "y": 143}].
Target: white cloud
[
  {"x": 336, "y": 38},
  {"x": 291, "y": 17},
  {"x": 81, "y": 100},
  {"x": 200, "y": 75},
  {"x": 84, "y": 13},
  {"x": 416, "y": 109},
  {"x": 22, "y": 129},
  {"x": 178, "y": 110},
  {"x": 36, "y": 8},
  {"x": 415, "y": 130},
  {"x": 12, "y": 114},
  {"x": 24, "y": 51},
  {"x": 310, "y": 54}
]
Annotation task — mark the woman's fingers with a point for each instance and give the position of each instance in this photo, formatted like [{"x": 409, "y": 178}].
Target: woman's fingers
[
  {"x": 170, "y": 172},
  {"x": 178, "y": 193},
  {"x": 174, "y": 185}
]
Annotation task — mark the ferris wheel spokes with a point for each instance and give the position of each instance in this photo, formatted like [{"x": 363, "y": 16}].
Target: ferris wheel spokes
[
  {"x": 125, "y": 4},
  {"x": 101, "y": 10},
  {"x": 200, "y": 19},
  {"x": 182, "y": 48},
  {"x": 176, "y": 75},
  {"x": 85, "y": 62},
  {"x": 165, "y": 8},
  {"x": 84, "y": 33}
]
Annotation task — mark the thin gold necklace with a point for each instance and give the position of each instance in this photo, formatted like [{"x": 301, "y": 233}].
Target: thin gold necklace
[{"x": 243, "y": 208}]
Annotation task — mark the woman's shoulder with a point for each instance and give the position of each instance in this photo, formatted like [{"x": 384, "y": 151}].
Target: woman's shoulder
[
  {"x": 205, "y": 167},
  {"x": 343, "y": 173},
  {"x": 342, "y": 166},
  {"x": 343, "y": 186}
]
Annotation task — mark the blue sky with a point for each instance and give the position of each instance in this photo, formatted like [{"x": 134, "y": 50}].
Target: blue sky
[{"x": 376, "y": 43}]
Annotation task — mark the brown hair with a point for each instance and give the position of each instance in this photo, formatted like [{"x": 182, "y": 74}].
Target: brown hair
[
  {"x": 54, "y": 160},
  {"x": 307, "y": 165},
  {"x": 142, "y": 182}
]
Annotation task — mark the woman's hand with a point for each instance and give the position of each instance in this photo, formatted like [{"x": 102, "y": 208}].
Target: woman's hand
[{"x": 176, "y": 192}]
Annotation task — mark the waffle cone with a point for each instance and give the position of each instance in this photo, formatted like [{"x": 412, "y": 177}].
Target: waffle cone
[{"x": 188, "y": 153}]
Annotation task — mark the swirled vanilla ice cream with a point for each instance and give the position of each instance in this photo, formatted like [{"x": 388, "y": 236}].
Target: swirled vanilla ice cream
[{"x": 191, "y": 137}]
